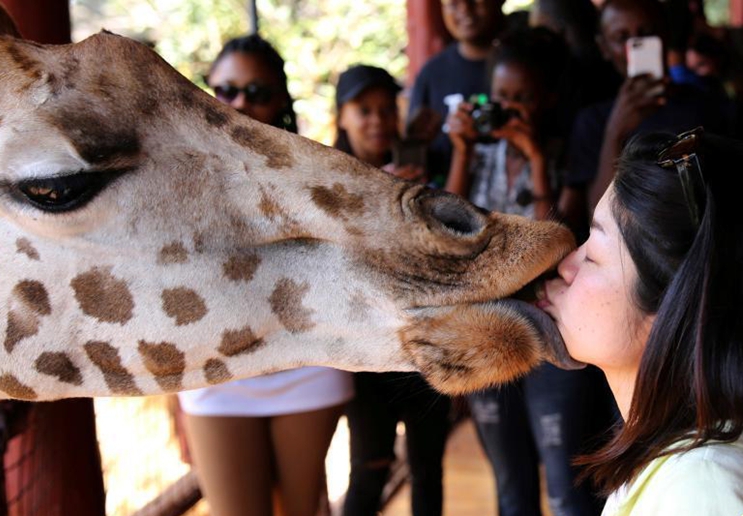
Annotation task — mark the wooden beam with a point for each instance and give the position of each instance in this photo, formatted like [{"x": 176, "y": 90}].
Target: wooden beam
[
  {"x": 42, "y": 21},
  {"x": 736, "y": 13},
  {"x": 427, "y": 34}
]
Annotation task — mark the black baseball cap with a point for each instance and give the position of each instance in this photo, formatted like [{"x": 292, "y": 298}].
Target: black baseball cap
[{"x": 361, "y": 77}]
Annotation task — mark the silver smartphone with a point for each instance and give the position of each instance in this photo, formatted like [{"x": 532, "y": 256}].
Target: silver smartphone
[{"x": 645, "y": 56}]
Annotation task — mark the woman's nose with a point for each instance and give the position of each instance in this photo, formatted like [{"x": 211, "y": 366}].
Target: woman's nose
[
  {"x": 568, "y": 267},
  {"x": 239, "y": 102}
]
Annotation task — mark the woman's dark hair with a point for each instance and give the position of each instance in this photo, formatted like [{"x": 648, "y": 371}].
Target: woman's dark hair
[
  {"x": 541, "y": 50},
  {"x": 257, "y": 46},
  {"x": 690, "y": 381}
]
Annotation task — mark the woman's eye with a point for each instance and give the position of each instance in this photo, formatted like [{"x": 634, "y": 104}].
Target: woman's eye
[{"x": 62, "y": 194}]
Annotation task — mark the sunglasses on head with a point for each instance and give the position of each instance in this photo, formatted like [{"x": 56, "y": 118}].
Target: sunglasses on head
[
  {"x": 253, "y": 93},
  {"x": 682, "y": 155}
]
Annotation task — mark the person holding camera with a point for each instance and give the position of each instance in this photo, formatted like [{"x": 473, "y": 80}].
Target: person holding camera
[{"x": 505, "y": 160}]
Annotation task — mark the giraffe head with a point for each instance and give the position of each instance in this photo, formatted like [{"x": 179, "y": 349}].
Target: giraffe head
[{"x": 154, "y": 240}]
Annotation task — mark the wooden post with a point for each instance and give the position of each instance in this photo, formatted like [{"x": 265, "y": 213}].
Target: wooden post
[
  {"x": 427, "y": 34},
  {"x": 736, "y": 13},
  {"x": 42, "y": 21}
]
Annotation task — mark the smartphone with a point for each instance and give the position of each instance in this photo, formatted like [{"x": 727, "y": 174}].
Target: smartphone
[
  {"x": 645, "y": 56},
  {"x": 410, "y": 152}
]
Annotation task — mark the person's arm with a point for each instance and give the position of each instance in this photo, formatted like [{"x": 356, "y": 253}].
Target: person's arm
[
  {"x": 542, "y": 195},
  {"x": 462, "y": 135},
  {"x": 638, "y": 98},
  {"x": 520, "y": 132}
]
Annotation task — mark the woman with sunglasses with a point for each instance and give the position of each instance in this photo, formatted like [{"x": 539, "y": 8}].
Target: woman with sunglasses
[
  {"x": 255, "y": 437},
  {"x": 654, "y": 298},
  {"x": 248, "y": 74}
]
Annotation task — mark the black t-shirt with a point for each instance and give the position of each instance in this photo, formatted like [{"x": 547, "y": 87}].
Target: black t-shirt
[
  {"x": 444, "y": 74},
  {"x": 686, "y": 109}
]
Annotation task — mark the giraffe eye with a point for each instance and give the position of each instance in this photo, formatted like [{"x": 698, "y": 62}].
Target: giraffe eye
[{"x": 66, "y": 193}]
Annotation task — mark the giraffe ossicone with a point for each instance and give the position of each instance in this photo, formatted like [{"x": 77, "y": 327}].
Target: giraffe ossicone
[{"x": 154, "y": 240}]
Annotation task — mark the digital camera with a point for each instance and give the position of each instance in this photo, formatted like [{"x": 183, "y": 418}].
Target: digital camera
[{"x": 488, "y": 115}]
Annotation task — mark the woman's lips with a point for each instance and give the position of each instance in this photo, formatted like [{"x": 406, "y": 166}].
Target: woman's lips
[{"x": 542, "y": 301}]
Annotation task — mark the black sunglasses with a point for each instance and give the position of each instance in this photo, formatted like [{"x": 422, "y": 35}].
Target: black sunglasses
[
  {"x": 254, "y": 93},
  {"x": 682, "y": 155}
]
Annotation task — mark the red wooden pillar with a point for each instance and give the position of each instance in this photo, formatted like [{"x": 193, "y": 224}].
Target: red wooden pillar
[
  {"x": 52, "y": 466},
  {"x": 736, "y": 13},
  {"x": 42, "y": 21},
  {"x": 427, "y": 34}
]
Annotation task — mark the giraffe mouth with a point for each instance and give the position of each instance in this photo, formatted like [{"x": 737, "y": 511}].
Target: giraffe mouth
[{"x": 464, "y": 348}]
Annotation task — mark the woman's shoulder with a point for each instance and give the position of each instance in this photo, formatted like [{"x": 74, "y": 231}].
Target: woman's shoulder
[{"x": 705, "y": 480}]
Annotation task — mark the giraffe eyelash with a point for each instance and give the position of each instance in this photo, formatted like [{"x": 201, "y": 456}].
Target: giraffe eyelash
[{"x": 63, "y": 194}]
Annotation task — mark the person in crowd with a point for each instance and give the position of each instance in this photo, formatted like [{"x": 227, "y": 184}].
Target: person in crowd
[
  {"x": 589, "y": 79},
  {"x": 653, "y": 299},
  {"x": 257, "y": 440},
  {"x": 367, "y": 128},
  {"x": 508, "y": 163},
  {"x": 458, "y": 71},
  {"x": 643, "y": 103}
]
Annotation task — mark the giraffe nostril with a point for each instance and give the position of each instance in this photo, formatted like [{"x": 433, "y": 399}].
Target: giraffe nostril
[{"x": 453, "y": 213}]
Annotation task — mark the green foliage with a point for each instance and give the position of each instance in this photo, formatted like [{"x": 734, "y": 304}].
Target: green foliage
[
  {"x": 321, "y": 38},
  {"x": 717, "y": 12},
  {"x": 317, "y": 38}
]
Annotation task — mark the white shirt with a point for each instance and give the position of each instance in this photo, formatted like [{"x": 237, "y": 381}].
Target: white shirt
[{"x": 286, "y": 392}]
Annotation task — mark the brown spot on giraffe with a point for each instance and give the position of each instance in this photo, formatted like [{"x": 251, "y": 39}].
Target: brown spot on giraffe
[
  {"x": 29, "y": 65},
  {"x": 215, "y": 371},
  {"x": 97, "y": 140},
  {"x": 166, "y": 362},
  {"x": 184, "y": 305},
  {"x": 241, "y": 267},
  {"x": 24, "y": 246},
  {"x": 107, "y": 359},
  {"x": 172, "y": 253},
  {"x": 60, "y": 366},
  {"x": 70, "y": 70},
  {"x": 102, "y": 296},
  {"x": 235, "y": 342},
  {"x": 269, "y": 207},
  {"x": 10, "y": 385},
  {"x": 215, "y": 117},
  {"x": 358, "y": 307},
  {"x": 355, "y": 231},
  {"x": 337, "y": 201},
  {"x": 277, "y": 153},
  {"x": 286, "y": 304},
  {"x": 33, "y": 295},
  {"x": 18, "y": 328},
  {"x": 198, "y": 243}
]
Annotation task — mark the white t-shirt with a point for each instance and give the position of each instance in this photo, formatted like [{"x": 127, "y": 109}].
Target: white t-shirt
[
  {"x": 286, "y": 392},
  {"x": 705, "y": 481}
]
